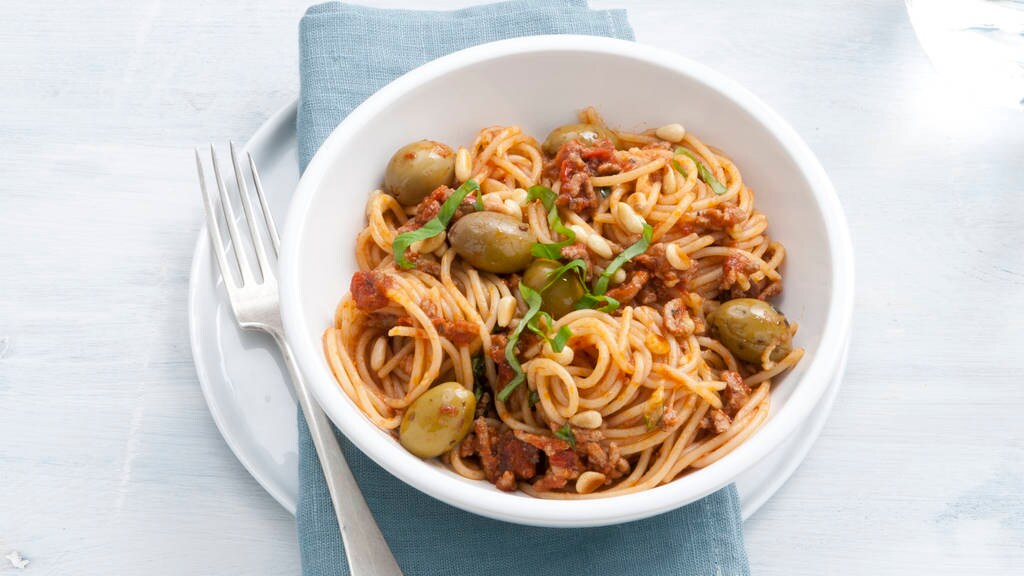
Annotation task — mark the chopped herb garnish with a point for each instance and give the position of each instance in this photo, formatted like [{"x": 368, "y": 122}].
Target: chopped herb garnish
[
  {"x": 565, "y": 433},
  {"x": 533, "y": 299},
  {"x": 703, "y": 171},
  {"x": 435, "y": 226},
  {"x": 479, "y": 376},
  {"x": 561, "y": 337},
  {"x": 604, "y": 191},
  {"x": 478, "y": 203},
  {"x": 534, "y": 398},
  {"x": 553, "y": 250},
  {"x": 638, "y": 248},
  {"x": 602, "y": 303}
]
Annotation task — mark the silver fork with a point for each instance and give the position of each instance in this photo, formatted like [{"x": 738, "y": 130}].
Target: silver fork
[{"x": 256, "y": 305}]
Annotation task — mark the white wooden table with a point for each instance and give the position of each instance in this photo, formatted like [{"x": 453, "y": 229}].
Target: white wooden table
[{"x": 110, "y": 463}]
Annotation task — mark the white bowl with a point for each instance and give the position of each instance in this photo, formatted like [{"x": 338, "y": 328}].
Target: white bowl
[{"x": 539, "y": 83}]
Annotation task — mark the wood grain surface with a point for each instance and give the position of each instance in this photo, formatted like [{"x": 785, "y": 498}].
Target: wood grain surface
[{"x": 110, "y": 463}]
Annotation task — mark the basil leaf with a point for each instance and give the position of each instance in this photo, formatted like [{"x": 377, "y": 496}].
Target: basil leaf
[
  {"x": 533, "y": 299},
  {"x": 600, "y": 303},
  {"x": 561, "y": 339},
  {"x": 705, "y": 174},
  {"x": 433, "y": 227},
  {"x": 549, "y": 251},
  {"x": 565, "y": 433},
  {"x": 479, "y": 376},
  {"x": 553, "y": 250},
  {"x": 546, "y": 196},
  {"x": 679, "y": 168},
  {"x": 638, "y": 248},
  {"x": 577, "y": 265}
]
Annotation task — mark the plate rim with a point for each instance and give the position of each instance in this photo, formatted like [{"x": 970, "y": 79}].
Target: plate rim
[{"x": 201, "y": 255}]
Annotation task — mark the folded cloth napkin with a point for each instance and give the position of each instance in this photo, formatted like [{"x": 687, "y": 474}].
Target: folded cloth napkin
[{"x": 346, "y": 53}]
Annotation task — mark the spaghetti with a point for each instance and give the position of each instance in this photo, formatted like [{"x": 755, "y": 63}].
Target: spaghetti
[{"x": 662, "y": 365}]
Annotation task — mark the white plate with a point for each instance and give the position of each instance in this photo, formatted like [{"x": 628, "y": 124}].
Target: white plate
[{"x": 245, "y": 383}]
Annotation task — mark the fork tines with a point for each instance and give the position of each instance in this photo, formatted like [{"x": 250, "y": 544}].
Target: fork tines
[{"x": 238, "y": 243}]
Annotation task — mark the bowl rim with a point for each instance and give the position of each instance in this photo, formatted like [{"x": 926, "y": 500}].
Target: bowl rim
[{"x": 518, "y": 508}]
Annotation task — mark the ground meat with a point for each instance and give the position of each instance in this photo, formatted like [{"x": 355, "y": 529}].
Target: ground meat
[
  {"x": 458, "y": 332},
  {"x": 719, "y": 420},
  {"x": 509, "y": 456},
  {"x": 608, "y": 168},
  {"x": 655, "y": 262},
  {"x": 770, "y": 291},
  {"x": 503, "y": 457},
  {"x": 735, "y": 268},
  {"x": 517, "y": 456},
  {"x": 563, "y": 462},
  {"x": 720, "y": 217},
  {"x": 425, "y": 263},
  {"x": 736, "y": 393},
  {"x": 628, "y": 290},
  {"x": 578, "y": 250},
  {"x": 369, "y": 290},
  {"x": 428, "y": 208},
  {"x": 573, "y": 166},
  {"x": 677, "y": 318},
  {"x": 497, "y": 353},
  {"x": 383, "y": 321}
]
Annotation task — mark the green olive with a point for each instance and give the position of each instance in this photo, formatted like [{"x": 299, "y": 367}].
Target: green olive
[
  {"x": 747, "y": 327},
  {"x": 437, "y": 420},
  {"x": 492, "y": 242},
  {"x": 416, "y": 169},
  {"x": 560, "y": 298},
  {"x": 585, "y": 133}
]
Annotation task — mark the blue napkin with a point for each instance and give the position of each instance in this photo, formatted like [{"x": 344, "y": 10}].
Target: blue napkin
[{"x": 346, "y": 53}]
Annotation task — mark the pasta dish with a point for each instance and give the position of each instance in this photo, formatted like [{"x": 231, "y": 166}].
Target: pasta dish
[{"x": 574, "y": 318}]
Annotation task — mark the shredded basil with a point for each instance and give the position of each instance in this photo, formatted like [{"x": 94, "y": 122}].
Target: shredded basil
[
  {"x": 561, "y": 337},
  {"x": 565, "y": 433},
  {"x": 602, "y": 303},
  {"x": 604, "y": 191},
  {"x": 534, "y": 398},
  {"x": 553, "y": 250},
  {"x": 638, "y": 248},
  {"x": 435, "y": 226},
  {"x": 534, "y": 301},
  {"x": 703, "y": 171},
  {"x": 479, "y": 376}
]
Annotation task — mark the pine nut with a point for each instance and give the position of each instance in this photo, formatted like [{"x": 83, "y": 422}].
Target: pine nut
[
  {"x": 619, "y": 277},
  {"x": 463, "y": 166},
  {"x": 671, "y": 132},
  {"x": 506, "y": 310},
  {"x": 512, "y": 209},
  {"x": 677, "y": 258},
  {"x": 598, "y": 245},
  {"x": 628, "y": 218},
  {"x": 589, "y": 481},
  {"x": 588, "y": 419},
  {"x": 493, "y": 203}
]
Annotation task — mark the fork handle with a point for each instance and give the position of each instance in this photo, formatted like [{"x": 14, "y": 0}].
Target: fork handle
[{"x": 366, "y": 549}]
